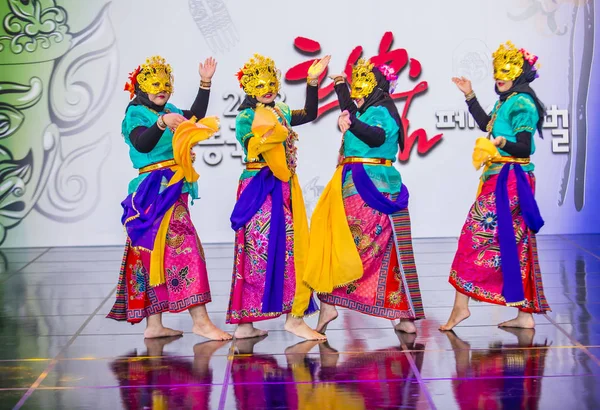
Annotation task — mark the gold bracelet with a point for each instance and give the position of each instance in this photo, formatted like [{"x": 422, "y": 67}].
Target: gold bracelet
[
  {"x": 161, "y": 123},
  {"x": 503, "y": 142},
  {"x": 470, "y": 96},
  {"x": 205, "y": 84},
  {"x": 312, "y": 81},
  {"x": 339, "y": 80}
]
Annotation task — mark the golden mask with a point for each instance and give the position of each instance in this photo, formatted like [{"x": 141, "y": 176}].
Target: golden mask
[
  {"x": 508, "y": 62},
  {"x": 363, "y": 79},
  {"x": 259, "y": 76},
  {"x": 155, "y": 76}
]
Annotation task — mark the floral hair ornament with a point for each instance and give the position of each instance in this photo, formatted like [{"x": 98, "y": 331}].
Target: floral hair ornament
[
  {"x": 532, "y": 60},
  {"x": 390, "y": 75},
  {"x": 130, "y": 85}
]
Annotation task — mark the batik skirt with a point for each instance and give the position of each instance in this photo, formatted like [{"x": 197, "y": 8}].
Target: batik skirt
[
  {"x": 476, "y": 270},
  {"x": 389, "y": 287},
  {"x": 186, "y": 278},
  {"x": 250, "y": 264}
]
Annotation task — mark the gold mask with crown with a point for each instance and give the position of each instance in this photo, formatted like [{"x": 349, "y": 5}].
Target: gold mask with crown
[
  {"x": 508, "y": 62},
  {"x": 259, "y": 76},
  {"x": 155, "y": 76},
  {"x": 363, "y": 79}
]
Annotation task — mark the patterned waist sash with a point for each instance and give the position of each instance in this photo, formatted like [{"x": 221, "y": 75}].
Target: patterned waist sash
[{"x": 513, "y": 291}]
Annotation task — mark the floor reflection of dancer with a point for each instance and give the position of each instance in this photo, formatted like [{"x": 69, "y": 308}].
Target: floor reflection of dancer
[
  {"x": 497, "y": 260},
  {"x": 361, "y": 255},
  {"x": 149, "y": 377},
  {"x": 506, "y": 376},
  {"x": 269, "y": 216},
  {"x": 164, "y": 267}
]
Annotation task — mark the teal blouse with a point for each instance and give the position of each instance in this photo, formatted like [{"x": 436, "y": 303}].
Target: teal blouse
[
  {"x": 515, "y": 114},
  {"x": 386, "y": 179},
  {"x": 243, "y": 131},
  {"x": 142, "y": 116}
]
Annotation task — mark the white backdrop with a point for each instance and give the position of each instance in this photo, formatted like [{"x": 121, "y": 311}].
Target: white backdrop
[{"x": 447, "y": 37}]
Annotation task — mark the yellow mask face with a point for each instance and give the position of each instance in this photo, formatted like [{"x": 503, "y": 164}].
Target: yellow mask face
[
  {"x": 508, "y": 62},
  {"x": 259, "y": 77},
  {"x": 155, "y": 76},
  {"x": 363, "y": 80}
]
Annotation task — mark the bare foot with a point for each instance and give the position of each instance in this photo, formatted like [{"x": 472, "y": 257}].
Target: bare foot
[
  {"x": 208, "y": 348},
  {"x": 327, "y": 314},
  {"x": 153, "y": 332},
  {"x": 457, "y": 316},
  {"x": 297, "y": 353},
  {"x": 299, "y": 328},
  {"x": 522, "y": 321},
  {"x": 155, "y": 346},
  {"x": 247, "y": 331},
  {"x": 406, "y": 326},
  {"x": 329, "y": 356},
  {"x": 246, "y": 346},
  {"x": 210, "y": 331},
  {"x": 407, "y": 340}
]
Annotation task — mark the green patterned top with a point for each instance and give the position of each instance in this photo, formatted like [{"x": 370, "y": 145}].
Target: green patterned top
[
  {"x": 386, "y": 179},
  {"x": 142, "y": 116},
  {"x": 517, "y": 113}
]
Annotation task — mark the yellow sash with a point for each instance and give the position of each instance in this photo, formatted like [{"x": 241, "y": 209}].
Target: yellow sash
[
  {"x": 485, "y": 154},
  {"x": 269, "y": 135},
  {"x": 188, "y": 134},
  {"x": 333, "y": 259}
]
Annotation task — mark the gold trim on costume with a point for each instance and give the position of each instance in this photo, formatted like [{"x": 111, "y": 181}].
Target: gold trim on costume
[
  {"x": 512, "y": 160},
  {"x": 158, "y": 165},
  {"x": 370, "y": 161}
]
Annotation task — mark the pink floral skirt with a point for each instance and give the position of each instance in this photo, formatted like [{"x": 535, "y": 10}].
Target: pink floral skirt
[
  {"x": 476, "y": 270},
  {"x": 250, "y": 264},
  {"x": 185, "y": 274},
  {"x": 389, "y": 287}
]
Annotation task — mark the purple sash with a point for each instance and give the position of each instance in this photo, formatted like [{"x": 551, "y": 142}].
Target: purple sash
[
  {"x": 371, "y": 195},
  {"x": 263, "y": 184},
  {"x": 152, "y": 200},
  {"x": 511, "y": 267}
]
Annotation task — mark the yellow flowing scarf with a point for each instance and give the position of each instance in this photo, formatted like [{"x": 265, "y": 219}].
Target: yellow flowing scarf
[
  {"x": 269, "y": 136},
  {"x": 333, "y": 259},
  {"x": 188, "y": 134}
]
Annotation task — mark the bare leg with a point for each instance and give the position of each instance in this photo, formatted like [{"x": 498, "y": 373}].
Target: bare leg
[
  {"x": 203, "y": 325},
  {"x": 327, "y": 314},
  {"x": 523, "y": 320},
  {"x": 155, "y": 328},
  {"x": 460, "y": 311},
  {"x": 247, "y": 331},
  {"x": 298, "y": 327},
  {"x": 406, "y": 326}
]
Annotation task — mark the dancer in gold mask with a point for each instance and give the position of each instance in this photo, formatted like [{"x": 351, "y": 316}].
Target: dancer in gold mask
[{"x": 269, "y": 218}]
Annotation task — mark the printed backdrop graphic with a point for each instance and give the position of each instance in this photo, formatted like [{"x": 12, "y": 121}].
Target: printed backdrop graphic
[{"x": 64, "y": 167}]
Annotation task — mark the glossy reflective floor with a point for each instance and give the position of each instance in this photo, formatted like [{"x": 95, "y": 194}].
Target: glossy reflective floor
[{"x": 57, "y": 351}]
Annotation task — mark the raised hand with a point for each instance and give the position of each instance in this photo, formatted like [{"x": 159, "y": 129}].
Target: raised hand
[
  {"x": 207, "y": 70},
  {"x": 344, "y": 121},
  {"x": 463, "y": 84},
  {"x": 317, "y": 67}
]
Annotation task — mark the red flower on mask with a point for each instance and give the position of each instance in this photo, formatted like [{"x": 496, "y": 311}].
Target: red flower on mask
[{"x": 130, "y": 85}]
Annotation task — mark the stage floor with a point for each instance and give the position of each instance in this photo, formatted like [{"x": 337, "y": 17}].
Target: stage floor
[{"x": 57, "y": 350}]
